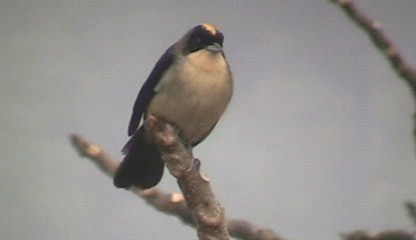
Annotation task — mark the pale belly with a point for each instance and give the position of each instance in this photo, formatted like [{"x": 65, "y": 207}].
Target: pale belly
[
  {"x": 193, "y": 102},
  {"x": 194, "y": 110}
]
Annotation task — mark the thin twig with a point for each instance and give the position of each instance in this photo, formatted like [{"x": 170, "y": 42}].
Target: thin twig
[{"x": 383, "y": 43}]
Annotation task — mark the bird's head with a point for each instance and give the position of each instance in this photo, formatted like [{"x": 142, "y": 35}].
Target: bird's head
[{"x": 204, "y": 36}]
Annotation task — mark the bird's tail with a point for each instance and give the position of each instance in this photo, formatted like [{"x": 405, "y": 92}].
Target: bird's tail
[{"x": 142, "y": 166}]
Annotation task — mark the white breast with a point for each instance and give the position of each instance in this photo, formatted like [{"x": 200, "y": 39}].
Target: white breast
[{"x": 195, "y": 94}]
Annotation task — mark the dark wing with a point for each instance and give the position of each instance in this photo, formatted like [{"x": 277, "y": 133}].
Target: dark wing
[{"x": 147, "y": 91}]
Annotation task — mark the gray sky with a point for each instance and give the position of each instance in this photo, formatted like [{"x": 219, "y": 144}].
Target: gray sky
[{"x": 317, "y": 139}]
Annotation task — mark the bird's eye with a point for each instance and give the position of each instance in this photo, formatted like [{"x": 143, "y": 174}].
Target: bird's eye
[{"x": 195, "y": 44}]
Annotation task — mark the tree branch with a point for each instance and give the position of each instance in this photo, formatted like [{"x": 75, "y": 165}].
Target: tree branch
[
  {"x": 383, "y": 43},
  {"x": 168, "y": 203}
]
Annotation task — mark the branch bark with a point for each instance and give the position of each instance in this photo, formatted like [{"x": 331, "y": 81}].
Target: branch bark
[{"x": 208, "y": 214}]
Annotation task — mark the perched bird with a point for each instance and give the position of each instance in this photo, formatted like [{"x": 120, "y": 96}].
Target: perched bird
[{"x": 190, "y": 87}]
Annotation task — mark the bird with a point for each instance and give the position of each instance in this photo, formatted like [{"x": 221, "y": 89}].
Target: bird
[{"x": 190, "y": 87}]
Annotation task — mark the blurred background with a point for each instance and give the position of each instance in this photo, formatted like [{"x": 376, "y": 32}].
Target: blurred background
[{"x": 317, "y": 139}]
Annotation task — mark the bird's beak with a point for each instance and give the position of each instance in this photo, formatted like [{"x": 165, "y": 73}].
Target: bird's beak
[{"x": 215, "y": 47}]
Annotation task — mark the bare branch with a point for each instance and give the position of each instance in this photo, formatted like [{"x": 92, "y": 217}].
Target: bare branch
[
  {"x": 168, "y": 203},
  {"x": 376, "y": 34}
]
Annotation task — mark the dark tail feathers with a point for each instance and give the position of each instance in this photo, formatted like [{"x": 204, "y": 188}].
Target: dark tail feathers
[{"x": 142, "y": 165}]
